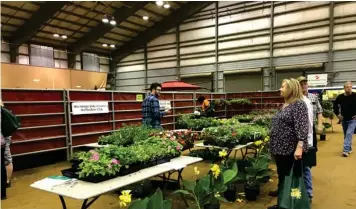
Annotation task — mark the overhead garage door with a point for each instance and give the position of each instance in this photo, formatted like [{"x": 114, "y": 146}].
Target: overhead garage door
[
  {"x": 205, "y": 82},
  {"x": 243, "y": 82}
]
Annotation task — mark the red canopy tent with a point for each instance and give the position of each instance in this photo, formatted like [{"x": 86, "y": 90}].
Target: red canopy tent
[{"x": 178, "y": 86}]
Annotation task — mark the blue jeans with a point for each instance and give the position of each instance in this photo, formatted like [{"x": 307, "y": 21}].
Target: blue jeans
[
  {"x": 308, "y": 181},
  {"x": 349, "y": 129}
]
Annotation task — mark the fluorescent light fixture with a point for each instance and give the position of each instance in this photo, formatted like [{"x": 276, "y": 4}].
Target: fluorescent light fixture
[
  {"x": 64, "y": 36},
  {"x": 105, "y": 19},
  {"x": 56, "y": 35},
  {"x": 166, "y": 5},
  {"x": 112, "y": 45},
  {"x": 159, "y": 3},
  {"x": 105, "y": 45},
  {"x": 145, "y": 17},
  {"x": 298, "y": 67},
  {"x": 253, "y": 70},
  {"x": 78, "y": 86},
  {"x": 36, "y": 80}
]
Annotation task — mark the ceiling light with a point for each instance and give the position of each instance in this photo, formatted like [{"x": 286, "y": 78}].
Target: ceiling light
[
  {"x": 105, "y": 45},
  {"x": 64, "y": 37},
  {"x": 159, "y": 3},
  {"x": 166, "y": 5},
  {"x": 112, "y": 45},
  {"x": 36, "y": 80},
  {"x": 105, "y": 19},
  {"x": 145, "y": 17},
  {"x": 78, "y": 86},
  {"x": 56, "y": 35},
  {"x": 113, "y": 22}
]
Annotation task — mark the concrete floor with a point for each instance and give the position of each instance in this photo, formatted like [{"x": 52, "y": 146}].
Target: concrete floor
[{"x": 334, "y": 184}]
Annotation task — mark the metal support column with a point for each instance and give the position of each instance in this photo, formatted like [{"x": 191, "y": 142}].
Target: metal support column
[
  {"x": 71, "y": 60},
  {"x": 178, "y": 52},
  {"x": 272, "y": 72},
  {"x": 112, "y": 74},
  {"x": 174, "y": 112},
  {"x": 216, "y": 46},
  {"x": 113, "y": 111},
  {"x": 68, "y": 144},
  {"x": 14, "y": 51},
  {"x": 69, "y": 119},
  {"x": 146, "y": 65},
  {"x": 331, "y": 37}
]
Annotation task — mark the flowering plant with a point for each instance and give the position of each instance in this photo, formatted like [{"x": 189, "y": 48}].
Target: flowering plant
[
  {"x": 209, "y": 189},
  {"x": 185, "y": 138},
  {"x": 156, "y": 201},
  {"x": 222, "y": 136}
]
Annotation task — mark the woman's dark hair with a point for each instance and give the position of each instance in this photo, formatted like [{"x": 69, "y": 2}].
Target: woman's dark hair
[
  {"x": 154, "y": 86},
  {"x": 201, "y": 99}
]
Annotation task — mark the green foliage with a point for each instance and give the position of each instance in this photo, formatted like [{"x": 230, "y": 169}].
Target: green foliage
[
  {"x": 258, "y": 169},
  {"x": 127, "y": 135},
  {"x": 327, "y": 105},
  {"x": 223, "y": 136},
  {"x": 263, "y": 120},
  {"x": 240, "y": 101},
  {"x": 206, "y": 154},
  {"x": 244, "y": 118},
  {"x": 209, "y": 189},
  {"x": 328, "y": 114},
  {"x": 156, "y": 201}
]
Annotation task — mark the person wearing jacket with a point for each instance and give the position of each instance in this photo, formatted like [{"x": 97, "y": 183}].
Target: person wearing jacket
[{"x": 3, "y": 169}]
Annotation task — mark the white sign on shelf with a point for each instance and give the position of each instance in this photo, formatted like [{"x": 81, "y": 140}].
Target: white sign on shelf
[
  {"x": 165, "y": 105},
  {"x": 317, "y": 79},
  {"x": 83, "y": 108}
]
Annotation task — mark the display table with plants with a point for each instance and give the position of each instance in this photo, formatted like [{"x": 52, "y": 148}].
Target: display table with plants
[{"x": 84, "y": 191}]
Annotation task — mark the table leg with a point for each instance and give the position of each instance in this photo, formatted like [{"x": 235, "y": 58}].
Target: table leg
[
  {"x": 63, "y": 202},
  {"x": 85, "y": 205}
]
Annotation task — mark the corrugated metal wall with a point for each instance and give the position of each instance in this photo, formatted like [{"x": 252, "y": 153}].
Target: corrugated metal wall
[{"x": 250, "y": 35}]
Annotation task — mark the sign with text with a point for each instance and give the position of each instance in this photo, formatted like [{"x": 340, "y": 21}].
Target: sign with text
[
  {"x": 317, "y": 79},
  {"x": 165, "y": 105},
  {"x": 139, "y": 97},
  {"x": 83, "y": 108}
]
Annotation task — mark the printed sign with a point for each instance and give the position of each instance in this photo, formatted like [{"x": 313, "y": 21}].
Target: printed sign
[
  {"x": 83, "y": 108},
  {"x": 318, "y": 79},
  {"x": 139, "y": 97},
  {"x": 165, "y": 105}
]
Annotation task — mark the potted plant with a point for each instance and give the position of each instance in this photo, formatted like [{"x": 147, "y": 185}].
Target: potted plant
[
  {"x": 156, "y": 201},
  {"x": 207, "y": 192}
]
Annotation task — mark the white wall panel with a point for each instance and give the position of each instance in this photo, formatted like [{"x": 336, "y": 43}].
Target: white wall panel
[
  {"x": 139, "y": 62},
  {"x": 161, "y": 79},
  {"x": 60, "y": 64},
  {"x": 297, "y": 5},
  {"x": 301, "y": 34},
  {"x": 197, "y": 34},
  {"x": 130, "y": 68},
  {"x": 161, "y": 53},
  {"x": 301, "y": 49},
  {"x": 104, "y": 68},
  {"x": 345, "y": 9},
  {"x": 133, "y": 57},
  {"x": 197, "y": 61},
  {"x": 131, "y": 88},
  {"x": 164, "y": 39},
  {"x": 23, "y": 49},
  {"x": 128, "y": 82},
  {"x": 5, "y": 47},
  {"x": 163, "y": 72},
  {"x": 197, "y": 55},
  {"x": 5, "y": 57},
  {"x": 244, "y": 56},
  {"x": 78, "y": 57},
  {"x": 162, "y": 65},
  {"x": 244, "y": 15},
  {"x": 104, "y": 60},
  {"x": 244, "y": 42},
  {"x": 129, "y": 75},
  {"x": 345, "y": 28},
  {"x": 24, "y": 60},
  {"x": 78, "y": 66},
  {"x": 349, "y": 44},
  {"x": 301, "y": 16},
  {"x": 207, "y": 41},
  {"x": 202, "y": 23},
  {"x": 59, "y": 54},
  {"x": 193, "y": 49},
  {"x": 244, "y": 26}
]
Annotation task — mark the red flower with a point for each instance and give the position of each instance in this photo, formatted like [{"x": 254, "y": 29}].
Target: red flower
[{"x": 233, "y": 134}]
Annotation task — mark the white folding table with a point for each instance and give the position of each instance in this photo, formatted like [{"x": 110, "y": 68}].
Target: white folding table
[
  {"x": 236, "y": 148},
  {"x": 82, "y": 190}
]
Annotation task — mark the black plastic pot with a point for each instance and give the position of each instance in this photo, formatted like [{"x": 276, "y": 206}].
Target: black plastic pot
[
  {"x": 251, "y": 193},
  {"x": 265, "y": 179},
  {"x": 132, "y": 169},
  {"x": 96, "y": 179},
  {"x": 70, "y": 173},
  {"x": 212, "y": 206},
  {"x": 163, "y": 160},
  {"x": 230, "y": 194},
  {"x": 322, "y": 137}
]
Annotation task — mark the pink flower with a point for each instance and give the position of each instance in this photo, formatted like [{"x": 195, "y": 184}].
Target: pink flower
[
  {"x": 109, "y": 166},
  {"x": 93, "y": 152},
  {"x": 178, "y": 147},
  {"x": 95, "y": 157},
  {"x": 114, "y": 161},
  {"x": 172, "y": 138}
]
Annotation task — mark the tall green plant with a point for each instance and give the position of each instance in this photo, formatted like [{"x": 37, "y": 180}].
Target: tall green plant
[{"x": 156, "y": 201}]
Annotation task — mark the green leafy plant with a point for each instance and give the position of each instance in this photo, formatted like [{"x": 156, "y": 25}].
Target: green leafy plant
[
  {"x": 328, "y": 114},
  {"x": 244, "y": 118},
  {"x": 156, "y": 201},
  {"x": 206, "y": 154},
  {"x": 240, "y": 101},
  {"x": 327, "y": 105},
  {"x": 223, "y": 136},
  {"x": 210, "y": 188}
]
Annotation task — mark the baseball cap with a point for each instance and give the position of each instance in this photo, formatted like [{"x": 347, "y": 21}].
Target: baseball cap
[{"x": 301, "y": 78}]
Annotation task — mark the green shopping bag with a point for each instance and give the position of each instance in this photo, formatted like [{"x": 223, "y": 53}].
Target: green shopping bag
[{"x": 294, "y": 194}]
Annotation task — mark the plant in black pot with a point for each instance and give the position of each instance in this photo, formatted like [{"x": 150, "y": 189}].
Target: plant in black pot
[
  {"x": 231, "y": 193},
  {"x": 207, "y": 192}
]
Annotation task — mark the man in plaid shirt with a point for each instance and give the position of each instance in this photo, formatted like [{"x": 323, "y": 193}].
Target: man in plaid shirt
[{"x": 151, "y": 113}]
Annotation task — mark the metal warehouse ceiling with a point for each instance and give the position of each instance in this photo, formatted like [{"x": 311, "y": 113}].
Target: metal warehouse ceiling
[{"x": 81, "y": 23}]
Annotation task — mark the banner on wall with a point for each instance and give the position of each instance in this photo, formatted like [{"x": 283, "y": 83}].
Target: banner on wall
[
  {"x": 83, "y": 108},
  {"x": 317, "y": 79}
]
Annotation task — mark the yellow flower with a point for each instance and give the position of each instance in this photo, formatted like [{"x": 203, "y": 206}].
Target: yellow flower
[
  {"x": 125, "y": 198},
  {"x": 223, "y": 153},
  {"x": 216, "y": 170},
  {"x": 217, "y": 194},
  {"x": 258, "y": 143},
  {"x": 266, "y": 139},
  {"x": 196, "y": 171},
  {"x": 296, "y": 193},
  {"x": 239, "y": 200}
]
